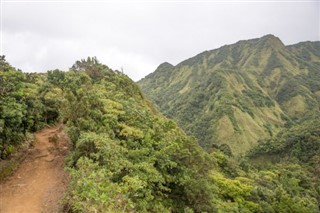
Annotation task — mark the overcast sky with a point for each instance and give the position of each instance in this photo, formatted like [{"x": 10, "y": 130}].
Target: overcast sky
[{"x": 139, "y": 35}]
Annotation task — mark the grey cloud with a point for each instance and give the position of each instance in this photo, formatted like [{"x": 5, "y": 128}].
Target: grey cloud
[{"x": 139, "y": 36}]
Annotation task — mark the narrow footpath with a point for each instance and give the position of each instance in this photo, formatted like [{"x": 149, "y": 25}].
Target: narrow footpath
[{"x": 39, "y": 183}]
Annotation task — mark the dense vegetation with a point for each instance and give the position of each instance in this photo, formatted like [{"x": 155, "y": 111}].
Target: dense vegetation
[
  {"x": 127, "y": 157},
  {"x": 25, "y": 106},
  {"x": 238, "y": 94}
]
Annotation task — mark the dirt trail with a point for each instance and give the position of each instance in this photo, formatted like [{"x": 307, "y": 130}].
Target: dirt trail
[{"x": 40, "y": 181}]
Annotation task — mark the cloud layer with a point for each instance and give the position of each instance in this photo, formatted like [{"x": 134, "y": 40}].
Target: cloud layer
[{"x": 137, "y": 36}]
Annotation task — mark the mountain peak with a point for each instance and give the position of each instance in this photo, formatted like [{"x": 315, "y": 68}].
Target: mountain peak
[
  {"x": 240, "y": 93},
  {"x": 163, "y": 68},
  {"x": 270, "y": 40},
  {"x": 269, "y": 36},
  {"x": 164, "y": 65}
]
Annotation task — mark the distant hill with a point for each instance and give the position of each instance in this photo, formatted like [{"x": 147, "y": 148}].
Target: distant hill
[{"x": 233, "y": 96}]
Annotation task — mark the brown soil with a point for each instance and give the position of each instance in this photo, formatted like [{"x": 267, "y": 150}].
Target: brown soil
[{"x": 40, "y": 181}]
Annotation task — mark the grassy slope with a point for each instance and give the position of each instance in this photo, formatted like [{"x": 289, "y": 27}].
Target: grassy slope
[{"x": 238, "y": 93}]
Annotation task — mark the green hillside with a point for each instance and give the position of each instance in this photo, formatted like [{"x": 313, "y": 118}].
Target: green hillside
[
  {"x": 127, "y": 157},
  {"x": 235, "y": 95}
]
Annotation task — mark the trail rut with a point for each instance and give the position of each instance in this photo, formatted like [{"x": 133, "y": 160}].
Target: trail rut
[{"x": 40, "y": 181}]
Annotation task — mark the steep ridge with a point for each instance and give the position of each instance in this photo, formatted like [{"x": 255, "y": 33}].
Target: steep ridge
[
  {"x": 235, "y": 95},
  {"x": 125, "y": 155}
]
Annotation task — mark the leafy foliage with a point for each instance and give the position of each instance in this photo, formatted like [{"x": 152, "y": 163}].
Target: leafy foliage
[
  {"x": 21, "y": 109},
  {"x": 127, "y": 157}
]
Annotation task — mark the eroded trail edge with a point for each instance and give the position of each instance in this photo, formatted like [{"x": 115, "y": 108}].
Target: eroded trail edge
[{"x": 40, "y": 181}]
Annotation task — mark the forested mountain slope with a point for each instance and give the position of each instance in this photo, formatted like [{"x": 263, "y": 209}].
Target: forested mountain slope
[
  {"x": 127, "y": 157},
  {"x": 235, "y": 95}
]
